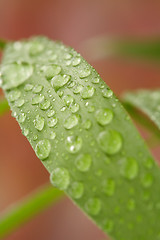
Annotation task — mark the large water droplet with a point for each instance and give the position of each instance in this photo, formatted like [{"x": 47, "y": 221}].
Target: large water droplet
[
  {"x": 87, "y": 124},
  {"x": 52, "y": 122},
  {"x": 50, "y": 113},
  {"x": 93, "y": 206},
  {"x": 28, "y": 87},
  {"x": 76, "y": 190},
  {"x": 68, "y": 100},
  {"x": 19, "y": 102},
  {"x": 74, "y": 107},
  {"x": 21, "y": 117},
  {"x": 37, "y": 89},
  {"x": 25, "y": 132},
  {"x": 129, "y": 168},
  {"x": 107, "y": 93},
  {"x": 77, "y": 89},
  {"x": 95, "y": 80},
  {"x": 52, "y": 135},
  {"x": 109, "y": 187},
  {"x": 87, "y": 92},
  {"x": 15, "y": 74},
  {"x": 45, "y": 104},
  {"x": 83, "y": 162},
  {"x": 60, "y": 178},
  {"x": 84, "y": 73},
  {"x": 67, "y": 56},
  {"x": 36, "y": 48},
  {"x": 73, "y": 144},
  {"x": 39, "y": 122},
  {"x": 71, "y": 121},
  {"x": 76, "y": 61},
  {"x": 43, "y": 149},
  {"x": 14, "y": 95},
  {"x": 148, "y": 163},
  {"x": 147, "y": 180},
  {"x": 60, "y": 80},
  {"x": 51, "y": 70},
  {"x": 37, "y": 99},
  {"x": 110, "y": 141},
  {"x": 104, "y": 116}
]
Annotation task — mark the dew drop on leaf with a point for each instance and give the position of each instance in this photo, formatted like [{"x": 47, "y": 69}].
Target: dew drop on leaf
[
  {"x": 52, "y": 122},
  {"x": 84, "y": 73},
  {"x": 131, "y": 204},
  {"x": 73, "y": 144},
  {"x": 77, "y": 89},
  {"x": 93, "y": 206},
  {"x": 52, "y": 135},
  {"x": 45, "y": 104},
  {"x": 43, "y": 149},
  {"x": 28, "y": 87},
  {"x": 25, "y": 132},
  {"x": 15, "y": 74},
  {"x": 60, "y": 178},
  {"x": 20, "y": 102},
  {"x": 50, "y": 113},
  {"x": 129, "y": 168},
  {"x": 108, "y": 226},
  {"x": 37, "y": 89},
  {"x": 76, "y": 190},
  {"x": 37, "y": 99},
  {"x": 76, "y": 61},
  {"x": 110, "y": 141},
  {"x": 51, "y": 70},
  {"x": 68, "y": 100},
  {"x": 74, "y": 107},
  {"x": 147, "y": 180},
  {"x": 21, "y": 117},
  {"x": 14, "y": 95},
  {"x": 109, "y": 187},
  {"x": 39, "y": 123},
  {"x": 87, "y": 92},
  {"x": 83, "y": 162},
  {"x": 107, "y": 93},
  {"x": 87, "y": 124},
  {"x": 59, "y": 81},
  {"x": 104, "y": 116},
  {"x": 71, "y": 121}
]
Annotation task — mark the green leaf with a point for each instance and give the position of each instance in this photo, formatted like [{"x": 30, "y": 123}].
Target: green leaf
[
  {"x": 104, "y": 47},
  {"x": 2, "y": 44},
  {"x": 84, "y": 137},
  {"x": 148, "y": 101},
  {"x": 23, "y": 211},
  {"x": 3, "y": 106}
]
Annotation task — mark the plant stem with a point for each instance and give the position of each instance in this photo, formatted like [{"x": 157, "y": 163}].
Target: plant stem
[
  {"x": 26, "y": 209},
  {"x": 4, "y": 107}
]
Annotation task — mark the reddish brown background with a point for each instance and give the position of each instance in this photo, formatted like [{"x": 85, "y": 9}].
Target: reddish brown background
[{"x": 73, "y": 22}]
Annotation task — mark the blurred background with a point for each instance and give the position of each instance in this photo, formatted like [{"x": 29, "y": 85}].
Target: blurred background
[{"x": 73, "y": 22}]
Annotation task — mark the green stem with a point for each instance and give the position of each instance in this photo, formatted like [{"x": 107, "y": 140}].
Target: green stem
[
  {"x": 26, "y": 209},
  {"x": 4, "y": 107},
  {"x": 146, "y": 123}
]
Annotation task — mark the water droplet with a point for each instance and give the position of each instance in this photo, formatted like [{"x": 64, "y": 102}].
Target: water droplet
[
  {"x": 83, "y": 162},
  {"x": 63, "y": 109},
  {"x": 104, "y": 116},
  {"x": 84, "y": 73},
  {"x": 35, "y": 48},
  {"x": 28, "y": 87},
  {"x": 60, "y": 80},
  {"x": 43, "y": 149},
  {"x": 147, "y": 180},
  {"x": 73, "y": 144},
  {"x": 67, "y": 56},
  {"x": 51, "y": 70},
  {"x": 148, "y": 163},
  {"x": 108, "y": 226},
  {"x": 77, "y": 89},
  {"x": 74, "y": 107},
  {"x": 60, "y": 93},
  {"x": 131, "y": 204},
  {"x": 76, "y": 190},
  {"x": 52, "y": 122},
  {"x": 90, "y": 107},
  {"x": 110, "y": 141},
  {"x": 76, "y": 61},
  {"x": 107, "y": 93},
  {"x": 129, "y": 168},
  {"x": 52, "y": 135},
  {"x": 60, "y": 178},
  {"x": 68, "y": 62},
  {"x": 37, "y": 89},
  {"x": 71, "y": 121},
  {"x": 87, "y": 124},
  {"x": 71, "y": 84},
  {"x": 87, "y": 92},
  {"x": 39, "y": 122},
  {"x": 68, "y": 100},
  {"x": 93, "y": 206},
  {"x": 109, "y": 187},
  {"x": 19, "y": 102},
  {"x": 21, "y": 117},
  {"x": 25, "y": 132},
  {"x": 50, "y": 113},
  {"x": 37, "y": 99},
  {"x": 95, "y": 80},
  {"x": 15, "y": 74},
  {"x": 14, "y": 95},
  {"x": 45, "y": 104},
  {"x": 35, "y": 137}
]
